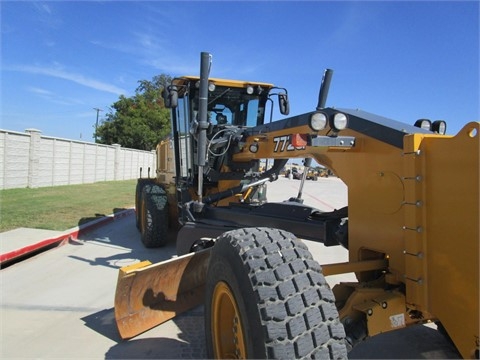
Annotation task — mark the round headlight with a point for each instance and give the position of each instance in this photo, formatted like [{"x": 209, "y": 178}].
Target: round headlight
[
  {"x": 249, "y": 89},
  {"x": 340, "y": 121},
  {"x": 318, "y": 121},
  {"x": 424, "y": 124},
  {"x": 211, "y": 86},
  {"x": 253, "y": 148},
  {"x": 440, "y": 127}
]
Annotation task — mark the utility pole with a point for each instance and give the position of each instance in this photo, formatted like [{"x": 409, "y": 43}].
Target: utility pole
[{"x": 96, "y": 123}]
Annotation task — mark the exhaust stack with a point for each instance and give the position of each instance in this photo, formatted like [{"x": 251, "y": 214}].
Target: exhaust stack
[
  {"x": 324, "y": 87},
  {"x": 205, "y": 63}
]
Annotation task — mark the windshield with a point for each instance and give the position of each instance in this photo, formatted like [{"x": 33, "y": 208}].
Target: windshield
[{"x": 233, "y": 106}]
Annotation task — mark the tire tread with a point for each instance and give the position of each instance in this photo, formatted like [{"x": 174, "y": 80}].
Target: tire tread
[
  {"x": 296, "y": 305},
  {"x": 155, "y": 200}
]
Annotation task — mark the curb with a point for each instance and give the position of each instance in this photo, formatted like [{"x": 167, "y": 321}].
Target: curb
[{"x": 70, "y": 234}]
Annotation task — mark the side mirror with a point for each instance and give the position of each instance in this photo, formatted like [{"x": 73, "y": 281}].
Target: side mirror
[
  {"x": 166, "y": 99},
  {"x": 283, "y": 104},
  {"x": 170, "y": 97}
]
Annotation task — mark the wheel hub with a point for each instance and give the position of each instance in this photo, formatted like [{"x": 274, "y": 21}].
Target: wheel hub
[{"x": 228, "y": 336}]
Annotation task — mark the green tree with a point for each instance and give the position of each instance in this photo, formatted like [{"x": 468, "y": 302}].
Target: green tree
[{"x": 140, "y": 121}]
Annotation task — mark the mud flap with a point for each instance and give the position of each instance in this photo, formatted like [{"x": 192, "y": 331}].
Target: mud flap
[{"x": 149, "y": 294}]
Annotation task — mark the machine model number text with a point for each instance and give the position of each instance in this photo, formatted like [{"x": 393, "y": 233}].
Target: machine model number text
[{"x": 282, "y": 143}]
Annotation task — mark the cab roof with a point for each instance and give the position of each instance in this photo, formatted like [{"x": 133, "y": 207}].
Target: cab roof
[{"x": 222, "y": 82}]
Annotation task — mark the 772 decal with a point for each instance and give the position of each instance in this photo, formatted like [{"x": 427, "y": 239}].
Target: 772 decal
[{"x": 282, "y": 143}]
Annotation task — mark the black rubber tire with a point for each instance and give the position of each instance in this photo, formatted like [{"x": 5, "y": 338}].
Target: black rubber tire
[
  {"x": 286, "y": 307},
  {"x": 138, "y": 199},
  {"x": 154, "y": 216}
]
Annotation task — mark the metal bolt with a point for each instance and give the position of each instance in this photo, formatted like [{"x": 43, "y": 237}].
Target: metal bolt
[{"x": 418, "y": 229}]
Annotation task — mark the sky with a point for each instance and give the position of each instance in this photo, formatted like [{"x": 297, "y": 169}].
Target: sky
[{"x": 61, "y": 60}]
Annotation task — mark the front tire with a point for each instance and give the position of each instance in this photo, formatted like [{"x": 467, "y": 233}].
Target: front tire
[
  {"x": 154, "y": 216},
  {"x": 141, "y": 183},
  {"x": 267, "y": 298}
]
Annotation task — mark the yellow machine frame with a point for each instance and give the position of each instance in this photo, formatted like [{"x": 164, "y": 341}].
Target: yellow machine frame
[
  {"x": 413, "y": 213},
  {"x": 418, "y": 207}
]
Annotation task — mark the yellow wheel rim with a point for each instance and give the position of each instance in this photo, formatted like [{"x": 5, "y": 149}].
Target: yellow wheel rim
[{"x": 228, "y": 337}]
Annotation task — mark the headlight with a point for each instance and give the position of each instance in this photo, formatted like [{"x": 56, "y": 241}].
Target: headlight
[
  {"x": 253, "y": 148},
  {"x": 211, "y": 86},
  {"x": 440, "y": 127},
  {"x": 340, "y": 121},
  {"x": 424, "y": 124},
  {"x": 249, "y": 89},
  {"x": 318, "y": 121}
]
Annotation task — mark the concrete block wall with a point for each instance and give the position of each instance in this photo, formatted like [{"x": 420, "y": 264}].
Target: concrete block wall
[{"x": 32, "y": 160}]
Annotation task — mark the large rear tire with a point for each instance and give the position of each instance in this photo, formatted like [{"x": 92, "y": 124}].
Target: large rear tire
[
  {"x": 267, "y": 298},
  {"x": 154, "y": 216},
  {"x": 138, "y": 199}
]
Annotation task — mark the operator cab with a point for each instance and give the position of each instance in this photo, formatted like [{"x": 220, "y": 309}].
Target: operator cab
[
  {"x": 232, "y": 102},
  {"x": 232, "y": 106}
]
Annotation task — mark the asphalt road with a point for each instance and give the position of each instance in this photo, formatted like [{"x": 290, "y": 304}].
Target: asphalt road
[{"x": 59, "y": 304}]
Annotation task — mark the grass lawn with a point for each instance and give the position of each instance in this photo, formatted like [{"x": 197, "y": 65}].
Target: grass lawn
[{"x": 63, "y": 207}]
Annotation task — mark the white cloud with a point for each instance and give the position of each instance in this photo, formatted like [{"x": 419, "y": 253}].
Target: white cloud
[
  {"x": 171, "y": 65},
  {"x": 152, "y": 50},
  {"x": 53, "y": 97},
  {"x": 39, "y": 91},
  {"x": 58, "y": 72},
  {"x": 42, "y": 7},
  {"x": 47, "y": 15}
]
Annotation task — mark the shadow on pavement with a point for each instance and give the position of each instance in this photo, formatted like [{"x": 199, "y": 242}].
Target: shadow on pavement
[
  {"x": 415, "y": 342},
  {"x": 86, "y": 220},
  {"x": 187, "y": 342},
  {"x": 103, "y": 322}
]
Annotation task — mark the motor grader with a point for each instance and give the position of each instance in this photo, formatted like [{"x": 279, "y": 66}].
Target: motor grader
[{"x": 411, "y": 226}]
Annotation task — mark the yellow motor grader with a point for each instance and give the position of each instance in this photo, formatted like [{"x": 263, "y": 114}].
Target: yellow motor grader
[{"x": 411, "y": 225}]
